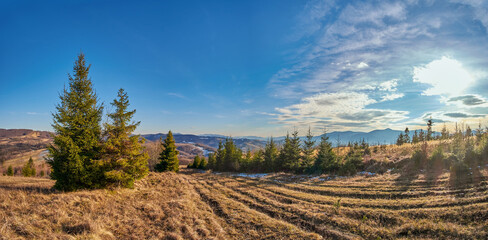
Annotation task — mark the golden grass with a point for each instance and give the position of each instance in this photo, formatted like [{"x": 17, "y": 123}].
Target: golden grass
[{"x": 193, "y": 205}]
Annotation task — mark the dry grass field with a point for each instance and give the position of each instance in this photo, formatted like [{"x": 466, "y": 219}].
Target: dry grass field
[{"x": 203, "y": 205}]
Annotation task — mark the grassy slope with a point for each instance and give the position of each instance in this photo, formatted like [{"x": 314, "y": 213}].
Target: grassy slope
[
  {"x": 161, "y": 206},
  {"x": 208, "y": 206}
]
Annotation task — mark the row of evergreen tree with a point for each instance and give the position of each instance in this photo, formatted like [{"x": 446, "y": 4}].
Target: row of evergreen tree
[
  {"x": 28, "y": 170},
  {"x": 292, "y": 156},
  {"x": 421, "y": 136}
]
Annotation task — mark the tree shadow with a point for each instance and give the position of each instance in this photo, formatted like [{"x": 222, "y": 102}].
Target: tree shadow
[
  {"x": 469, "y": 179},
  {"x": 30, "y": 189},
  {"x": 408, "y": 173}
]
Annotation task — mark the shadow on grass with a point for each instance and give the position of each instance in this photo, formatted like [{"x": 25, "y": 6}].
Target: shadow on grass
[
  {"x": 408, "y": 173},
  {"x": 30, "y": 189}
]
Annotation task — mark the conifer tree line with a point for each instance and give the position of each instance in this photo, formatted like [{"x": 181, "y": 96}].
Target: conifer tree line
[
  {"x": 293, "y": 155},
  {"x": 460, "y": 131},
  {"x": 85, "y": 154}
]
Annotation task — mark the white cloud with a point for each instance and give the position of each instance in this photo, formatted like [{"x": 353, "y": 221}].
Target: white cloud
[
  {"x": 362, "y": 65},
  {"x": 446, "y": 77},
  {"x": 389, "y": 85},
  {"x": 393, "y": 96},
  {"x": 341, "y": 110}
]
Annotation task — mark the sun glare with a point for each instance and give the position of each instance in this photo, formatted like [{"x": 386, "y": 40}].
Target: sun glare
[{"x": 446, "y": 76}]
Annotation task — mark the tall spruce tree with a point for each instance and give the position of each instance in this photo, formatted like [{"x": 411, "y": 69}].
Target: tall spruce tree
[
  {"x": 123, "y": 158},
  {"x": 211, "y": 161},
  {"x": 428, "y": 136},
  {"x": 232, "y": 156},
  {"x": 326, "y": 160},
  {"x": 415, "y": 138},
  {"x": 76, "y": 146},
  {"x": 270, "y": 156},
  {"x": 257, "y": 161},
  {"x": 219, "y": 157},
  {"x": 444, "y": 132},
  {"x": 308, "y": 150},
  {"x": 196, "y": 162},
  {"x": 406, "y": 136},
  {"x": 421, "y": 136},
  {"x": 400, "y": 139},
  {"x": 289, "y": 157},
  {"x": 169, "y": 155},
  {"x": 203, "y": 163}
]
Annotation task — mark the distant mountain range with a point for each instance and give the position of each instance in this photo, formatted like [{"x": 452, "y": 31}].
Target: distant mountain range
[
  {"x": 385, "y": 136},
  {"x": 211, "y": 140}
]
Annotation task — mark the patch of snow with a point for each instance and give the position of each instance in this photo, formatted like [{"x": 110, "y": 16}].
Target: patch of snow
[
  {"x": 255, "y": 175},
  {"x": 367, "y": 173},
  {"x": 205, "y": 151}
]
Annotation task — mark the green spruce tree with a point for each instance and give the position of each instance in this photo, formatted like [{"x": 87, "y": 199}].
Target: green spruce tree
[
  {"x": 203, "y": 163},
  {"x": 421, "y": 136},
  {"x": 270, "y": 156},
  {"x": 219, "y": 157},
  {"x": 123, "y": 158},
  {"x": 196, "y": 162},
  {"x": 232, "y": 156},
  {"x": 169, "y": 155},
  {"x": 289, "y": 158},
  {"x": 400, "y": 139},
  {"x": 76, "y": 146},
  {"x": 406, "y": 136},
  {"x": 326, "y": 160},
  {"x": 29, "y": 169},
  {"x": 428, "y": 137},
  {"x": 257, "y": 161},
  {"x": 211, "y": 161},
  {"x": 415, "y": 138},
  {"x": 444, "y": 133},
  {"x": 308, "y": 152},
  {"x": 10, "y": 171}
]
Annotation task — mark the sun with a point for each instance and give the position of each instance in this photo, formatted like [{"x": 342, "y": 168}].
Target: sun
[{"x": 446, "y": 76}]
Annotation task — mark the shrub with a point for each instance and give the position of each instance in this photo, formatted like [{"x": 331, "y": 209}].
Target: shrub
[
  {"x": 203, "y": 163},
  {"x": 352, "y": 164},
  {"x": 436, "y": 160},
  {"x": 29, "y": 170},
  {"x": 10, "y": 171},
  {"x": 471, "y": 157},
  {"x": 459, "y": 172},
  {"x": 419, "y": 157}
]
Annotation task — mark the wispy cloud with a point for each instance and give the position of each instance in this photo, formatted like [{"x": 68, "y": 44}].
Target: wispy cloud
[
  {"x": 374, "y": 52},
  {"x": 178, "y": 95}
]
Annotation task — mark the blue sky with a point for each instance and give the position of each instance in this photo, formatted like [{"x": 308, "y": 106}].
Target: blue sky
[{"x": 251, "y": 67}]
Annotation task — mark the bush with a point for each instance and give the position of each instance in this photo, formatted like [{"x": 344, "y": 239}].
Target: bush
[
  {"x": 203, "y": 163},
  {"x": 471, "y": 158},
  {"x": 29, "y": 170},
  {"x": 436, "y": 160},
  {"x": 10, "y": 171},
  {"x": 352, "y": 164},
  {"x": 460, "y": 172},
  {"x": 419, "y": 157}
]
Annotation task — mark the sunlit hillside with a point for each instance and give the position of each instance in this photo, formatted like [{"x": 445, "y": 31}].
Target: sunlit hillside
[{"x": 194, "y": 205}]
